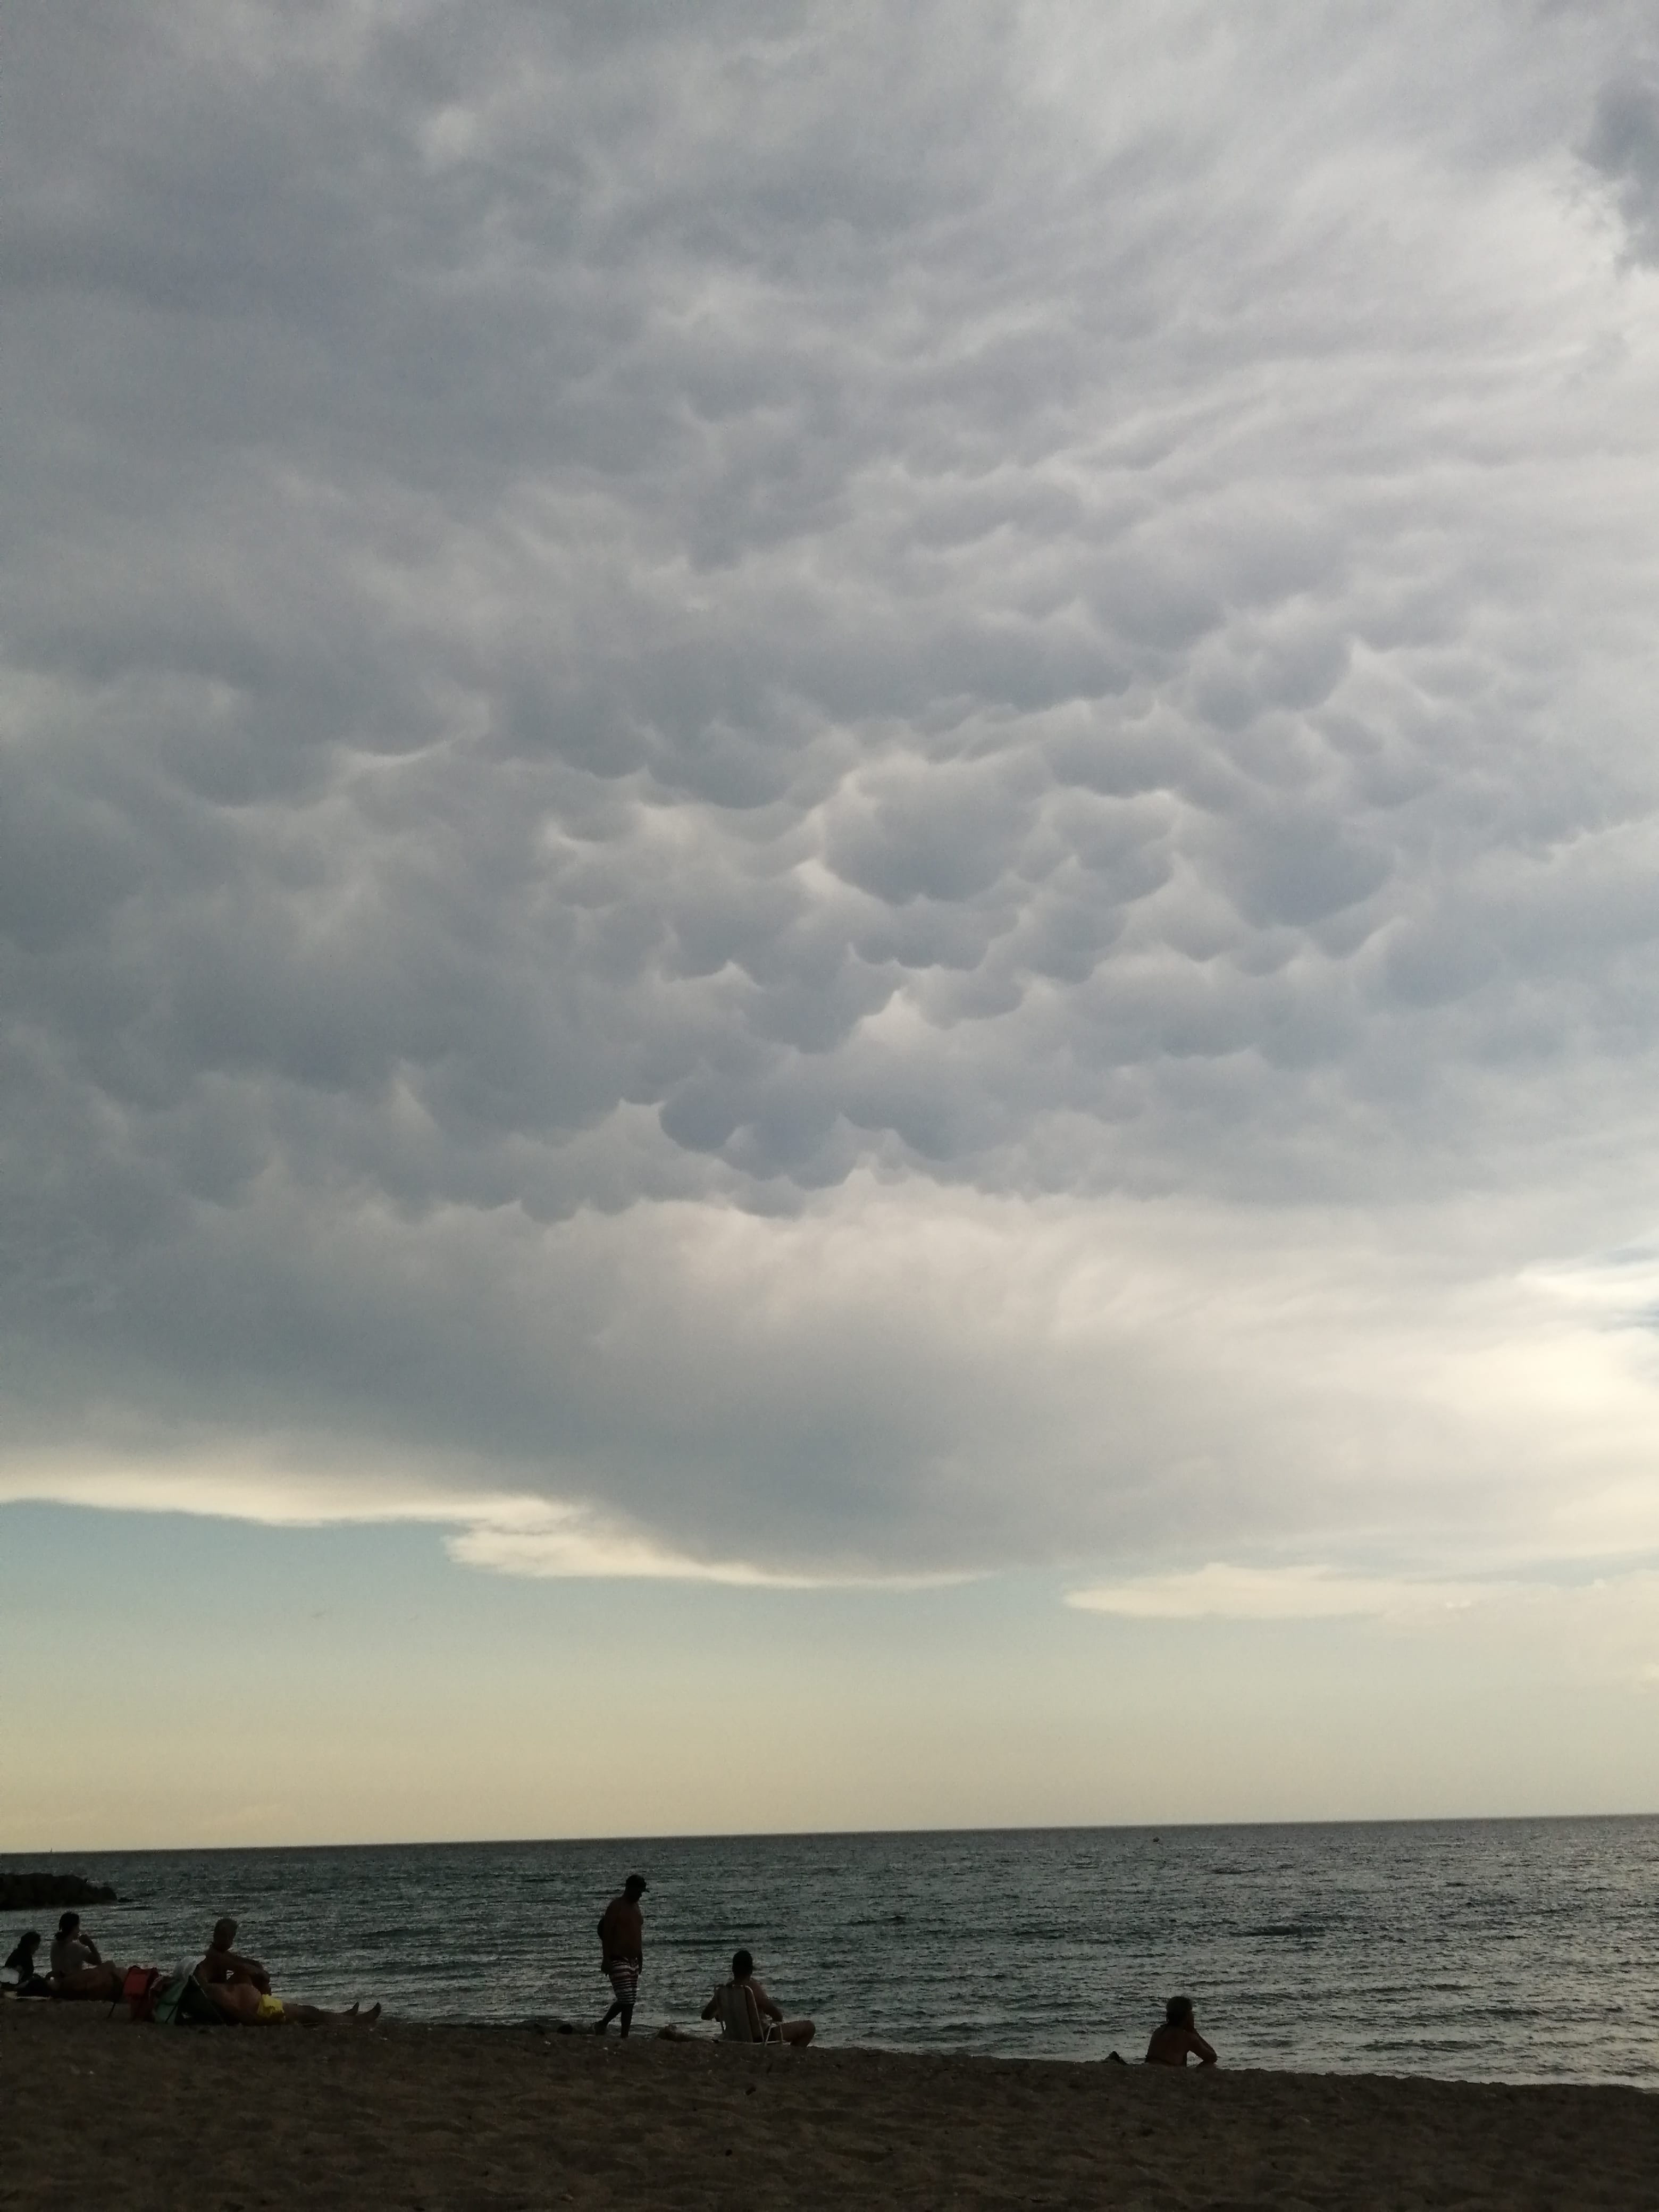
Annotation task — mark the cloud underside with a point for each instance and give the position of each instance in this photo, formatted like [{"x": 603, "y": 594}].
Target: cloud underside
[
  {"x": 796, "y": 796},
  {"x": 505, "y": 1533},
  {"x": 1220, "y": 1591},
  {"x": 896, "y": 1383}
]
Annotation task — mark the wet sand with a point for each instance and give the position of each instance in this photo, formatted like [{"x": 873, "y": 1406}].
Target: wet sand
[{"x": 412, "y": 2117}]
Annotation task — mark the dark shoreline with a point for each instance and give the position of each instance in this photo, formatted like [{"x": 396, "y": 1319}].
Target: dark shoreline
[{"x": 428, "y": 2116}]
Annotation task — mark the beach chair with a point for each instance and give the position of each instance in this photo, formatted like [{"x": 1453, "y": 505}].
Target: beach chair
[
  {"x": 740, "y": 2016},
  {"x": 184, "y": 2004}
]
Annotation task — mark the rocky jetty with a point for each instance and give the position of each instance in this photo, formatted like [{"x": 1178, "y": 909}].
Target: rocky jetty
[{"x": 30, "y": 1893}]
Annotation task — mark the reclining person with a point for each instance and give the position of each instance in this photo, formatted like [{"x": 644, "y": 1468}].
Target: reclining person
[
  {"x": 747, "y": 2015},
  {"x": 238, "y": 1989},
  {"x": 78, "y": 1969}
]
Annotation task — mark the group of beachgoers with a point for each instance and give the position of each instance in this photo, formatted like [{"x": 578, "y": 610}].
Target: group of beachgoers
[
  {"x": 748, "y": 2014},
  {"x": 745, "y": 2011},
  {"x": 237, "y": 1989}
]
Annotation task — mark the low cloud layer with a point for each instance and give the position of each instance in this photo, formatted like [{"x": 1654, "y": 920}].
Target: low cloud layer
[{"x": 793, "y": 796}]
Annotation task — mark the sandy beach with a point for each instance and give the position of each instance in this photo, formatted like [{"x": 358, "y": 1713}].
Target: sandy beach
[{"x": 440, "y": 2116}]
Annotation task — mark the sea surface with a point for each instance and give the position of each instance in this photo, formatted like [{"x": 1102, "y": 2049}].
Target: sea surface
[{"x": 1514, "y": 1950}]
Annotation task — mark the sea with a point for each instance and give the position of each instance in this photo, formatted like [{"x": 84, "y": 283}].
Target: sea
[{"x": 1488, "y": 1950}]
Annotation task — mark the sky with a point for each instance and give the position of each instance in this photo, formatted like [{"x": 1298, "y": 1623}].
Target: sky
[{"x": 829, "y": 884}]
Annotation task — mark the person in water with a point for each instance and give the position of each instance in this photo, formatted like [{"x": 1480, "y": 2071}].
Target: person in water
[
  {"x": 238, "y": 1989},
  {"x": 30, "y": 1982},
  {"x": 78, "y": 1969},
  {"x": 1178, "y": 2036},
  {"x": 621, "y": 1951},
  {"x": 748, "y": 2015}
]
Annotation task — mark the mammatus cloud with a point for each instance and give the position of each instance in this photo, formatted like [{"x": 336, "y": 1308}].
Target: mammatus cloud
[
  {"x": 840, "y": 800},
  {"x": 1624, "y": 145}
]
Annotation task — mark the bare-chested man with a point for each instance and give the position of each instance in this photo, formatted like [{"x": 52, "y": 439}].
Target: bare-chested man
[
  {"x": 748, "y": 2015},
  {"x": 1177, "y": 2036},
  {"x": 223, "y": 1964},
  {"x": 621, "y": 1951},
  {"x": 240, "y": 1990}
]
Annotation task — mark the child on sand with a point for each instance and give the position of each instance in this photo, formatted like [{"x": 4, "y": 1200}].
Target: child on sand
[{"x": 30, "y": 1982}]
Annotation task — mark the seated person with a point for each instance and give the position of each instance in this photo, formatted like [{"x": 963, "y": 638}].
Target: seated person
[
  {"x": 77, "y": 1968},
  {"x": 240, "y": 1990},
  {"x": 1177, "y": 2036},
  {"x": 21, "y": 1963},
  {"x": 747, "y": 2015},
  {"x": 224, "y": 1965}
]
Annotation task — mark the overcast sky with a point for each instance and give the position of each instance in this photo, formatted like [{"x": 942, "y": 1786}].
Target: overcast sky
[{"x": 846, "y": 796}]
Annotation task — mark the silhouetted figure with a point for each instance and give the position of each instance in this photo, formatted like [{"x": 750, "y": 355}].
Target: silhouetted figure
[
  {"x": 224, "y": 1964},
  {"x": 1177, "y": 2036},
  {"x": 621, "y": 1951},
  {"x": 78, "y": 1969},
  {"x": 747, "y": 2015},
  {"x": 238, "y": 1989},
  {"x": 21, "y": 1963}
]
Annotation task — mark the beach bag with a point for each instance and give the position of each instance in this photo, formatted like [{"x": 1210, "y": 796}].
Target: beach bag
[
  {"x": 184, "y": 2003},
  {"x": 139, "y": 1989}
]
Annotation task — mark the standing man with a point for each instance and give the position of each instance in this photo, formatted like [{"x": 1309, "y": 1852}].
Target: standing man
[{"x": 622, "y": 1948}]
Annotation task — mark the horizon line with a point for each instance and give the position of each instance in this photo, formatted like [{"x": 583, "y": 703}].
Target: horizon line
[{"x": 1153, "y": 1828}]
